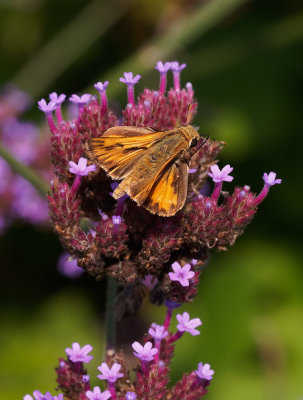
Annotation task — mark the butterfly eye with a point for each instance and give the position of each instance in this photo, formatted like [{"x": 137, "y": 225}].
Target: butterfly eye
[{"x": 193, "y": 142}]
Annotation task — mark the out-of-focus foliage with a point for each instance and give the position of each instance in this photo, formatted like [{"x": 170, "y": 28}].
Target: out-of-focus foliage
[{"x": 247, "y": 74}]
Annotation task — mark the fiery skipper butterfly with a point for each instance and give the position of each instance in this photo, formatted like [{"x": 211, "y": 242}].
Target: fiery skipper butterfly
[{"x": 153, "y": 166}]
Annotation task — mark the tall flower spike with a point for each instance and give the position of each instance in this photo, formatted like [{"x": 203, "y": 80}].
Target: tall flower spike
[
  {"x": 176, "y": 68},
  {"x": 269, "y": 180},
  {"x": 110, "y": 374},
  {"x": 101, "y": 87},
  {"x": 163, "y": 68},
  {"x": 204, "y": 372},
  {"x": 58, "y": 99},
  {"x": 130, "y": 80},
  {"x": 218, "y": 176},
  {"x": 181, "y": 274},
  {"x": 48, "y": 108},
  {"x": 78, "y": 354},
  {"x": 187, "y": 325}
]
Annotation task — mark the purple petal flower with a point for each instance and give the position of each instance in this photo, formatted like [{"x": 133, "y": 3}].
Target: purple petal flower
[
  {"x": 146, "y": 352},
  {"x": 163, "y": 67},
  {"x": 85, "y": 378},
  {"x": 204, "y": 371},
  {"x": 39, "y": 396},
  {"x": 110, "y": 374},
  {"x": 80, "y": 100},
  {"x": 220, "y": 176},
  {"x": 129, "y": 79},
  {"x": 116, "y": 220},
  {"x": 76, "y": 354},
  {"x": 69, "y": 267},
  {"x": 59, "y": 397},
  {"x": 157, "y": 332},
  {"x": 81, "y": 168},
  {"x": 194, "y": 261},
  {"x": 181, "y": 274},
  {"x": 47, "y": 107},
  {"x": 187, "y": 325},
  {"x": 101, "y": 86},
  {"x": 270, "y": 179},
  {"x": 130, "y": 396},
  {"x": 96, "y": 394},
  {"x": 58, "y": 99},
  {"x": 150, "y": 281},
  {"x": 27, "y": 397},
  {"x": 176, "y": 67}
]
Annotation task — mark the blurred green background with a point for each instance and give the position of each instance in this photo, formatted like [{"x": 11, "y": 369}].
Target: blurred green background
[{"x": 245, "y": 61}]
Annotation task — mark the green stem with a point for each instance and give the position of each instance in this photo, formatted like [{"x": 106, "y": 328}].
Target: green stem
[
  {"x": 110, "y": 316},
  {"x": 28, "y": 173}
]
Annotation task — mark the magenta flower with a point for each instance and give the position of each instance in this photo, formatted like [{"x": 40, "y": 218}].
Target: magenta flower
[
  {"x": 187, "y": 325},
  {"x": 58, "y": 99},
  {"x": 110, "y": 374},
  {"x": 80, "y": 100},
  {"x": 101, "y": 86},
  {"x": 81, "y": 168},
  {"x": 96, "y": 394},
  {"x": 157, "y": 332},
  {"x": 220, "y": 176},
  {"x": 181, "y": 274},
  {"x": 47, "y": 107},
  {"x": 204, "y": 371},
  {"x": 76, "y": 353},
  {"x": 146, "y": 352},
  {"x": 270, "y": 179},
  {"x": 175, "y": 66},
  {"x": 130, "y": 79},
  {"x": 116, "y": 220},
  {"x": 130, "y": 396},
  {"x": 163, "y": 67}
]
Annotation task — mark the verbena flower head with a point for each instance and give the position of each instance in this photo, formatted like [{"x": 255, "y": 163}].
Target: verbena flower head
[
  {"x": 110, "y": 374},
  {"x": 96, "y": 394},
  {"x": 146, "y": 352},
  {"x": 157, "y": 332},
  {"x": 219, "y": 176},
  {"x": 39, "y": 396},
  {"x": 81, "y": 168},
  {"x": 188, "y": 325},
  {"x": 181, "y": 274},
  {"x": 204, "y": 371},
  {"x": 76, "y": 353}
]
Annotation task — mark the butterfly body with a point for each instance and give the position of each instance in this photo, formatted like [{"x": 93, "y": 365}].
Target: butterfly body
[{"x": 153, "y": 166}]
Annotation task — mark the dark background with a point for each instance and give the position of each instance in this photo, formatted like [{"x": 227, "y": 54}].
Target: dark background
[{"x": 244, "y": 59}]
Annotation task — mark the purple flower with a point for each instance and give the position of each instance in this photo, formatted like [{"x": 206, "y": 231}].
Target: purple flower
[
  {"x": 47, "y": 107},
  {"x": 187, "y": 325},
  {"x": 81, "y": 168},
  {"x": 130, "y": 396},
  {"x": 76, "y": 354},
  {"x": 58, "y": 99},
  {"x": 146, "y": 352},
  {"x": 181, "y": 274},
  {"x": 270, "y": 179},
  {"x": 85, "y": 378},
  {"x": 157, "y": 332},
  {"x": 110, "y": 374},
  {"x": 80, "y": 100},
  {"x": 96, "y": 394},
  {"x": 101, "y": 86},
  {"x": 69, "y": 267},
  {"x": 204, "y": 371},
  {"x": 163, "y": 67},
  {"x": 39, "y": 396},
  {"x": 116, "y": 220},
  {"x": 194, "y": 261},
  {"x": 150, "y": 281},
  {"x": 220, "y": 176},
  {"x": 176, "y": 67},
  {"x": 129, "y": 79}
]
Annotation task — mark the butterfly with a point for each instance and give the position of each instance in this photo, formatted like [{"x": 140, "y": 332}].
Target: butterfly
[{"x": 152, "y": 166}]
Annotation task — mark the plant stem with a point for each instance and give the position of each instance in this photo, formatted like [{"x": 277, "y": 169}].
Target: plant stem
[
  {"x": 110, "y": 314},
  {"x": 28, "y": 173}
]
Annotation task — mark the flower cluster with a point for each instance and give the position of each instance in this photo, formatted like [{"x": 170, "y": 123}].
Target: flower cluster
[
  {"x": 25, "y": 141},
  {"x": 119, "y": 238},
  {"x": 151, "y": 379}
]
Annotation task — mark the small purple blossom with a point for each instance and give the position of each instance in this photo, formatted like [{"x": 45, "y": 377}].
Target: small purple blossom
[
  {"x": 116, "y": 220},
  {"x": 187, "y": 325},
  {"x": 110, "y": 374},
  {"x": 68, "y": 266},
  {"x": 175, "y": 66},
  {"x": 96, "y": 394},
  {"x": 220, "y": 176},
  {"x": 47, "y": 107},
  {"x": 194, "y": 261},
  {"x": 181, "y": 274},
  {"x": 81, "y": 168},
  {"x": 130, "y": 396},
  {"x": 76, "y": 353},
  {"x": 101, "y": 86},
  {"x": 85, "y": 378},
  {"x": 146, "y": 352},
  {"x": 80, "y": 100},
  {"x": 39, "y": 396},
  {"x": 204, "y": 371},
  {"x": 270, "y": 179},
  {"x": 130, "y": 79},
  {"x": 157, "y": 332},
  {"x": 163, "y": 67},
  {"x": 58, "y": 99}
]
